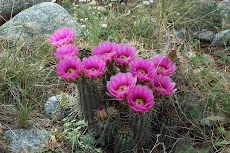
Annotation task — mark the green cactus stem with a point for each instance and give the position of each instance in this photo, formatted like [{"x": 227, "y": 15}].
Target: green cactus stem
[
  {"x": 141, "y": 126},
  {"x": 124, "y": 141},
  {"x": 110, "y": 71},
  {"x": 109, "y": 128},
  {"x": 90, "y": 97}
]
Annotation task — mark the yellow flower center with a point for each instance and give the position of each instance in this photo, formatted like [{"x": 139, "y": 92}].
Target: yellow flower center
[
  {"x": 123, "y": 57},
  {"x": 122, "y": 88},
  {"x": 141, "y": 71},
  {"x": 162, "y": 68},
  {"x": 139, "y": 102},
  {"x": 93, "y": 69},
  {"x": 105, "y": 53},
  {"x": 71, "y": 70}
]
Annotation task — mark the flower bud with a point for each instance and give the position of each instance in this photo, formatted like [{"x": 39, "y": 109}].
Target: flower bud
[{"x": 101, "y": 114}]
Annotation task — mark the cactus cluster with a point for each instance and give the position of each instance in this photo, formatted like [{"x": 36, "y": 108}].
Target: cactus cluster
[{"x": 123, "y": 116}]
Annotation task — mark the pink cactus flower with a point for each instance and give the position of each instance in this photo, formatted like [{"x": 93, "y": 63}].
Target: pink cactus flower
[
  {"x": 143, "y": 69},
  {"x": 140, "y": 99},
  {"x": 63, "y": 36},
  {"x": 105, "y": 50},
  {"x": 162, "y": 85},
  {"x": 163, "y": 65},
  {"x": 101, "y": 114},
  {"x": 93, "y": 67},
  {"x": 124, "y": 54},
  {"x": 65, "y": 51},
  {"x": 120, "y": 85},
  {"x": 69, "y": 68}
]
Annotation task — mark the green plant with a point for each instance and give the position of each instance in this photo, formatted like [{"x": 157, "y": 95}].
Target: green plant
[
  {"x": 77, "y": 135},
  {"x": 23, "y": 108},
  {"x": 199, "y": 59},
  {"x": 21, "y": 77},
  {"x": 225, "y": 134},
  {"x": 196, "y": 43}
]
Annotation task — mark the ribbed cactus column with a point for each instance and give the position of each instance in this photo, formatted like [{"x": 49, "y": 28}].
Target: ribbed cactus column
[
  {"x": 90, "y": 96},
  {"x": 141, "y": 126},
  {"x": 110, "y": 71},
  {"x": 124, "y": 141},
  {"x": 109, "y": 128}
]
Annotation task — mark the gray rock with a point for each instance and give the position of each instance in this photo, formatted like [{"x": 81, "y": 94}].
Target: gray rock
[
  {"x": 9, "y": 8},
  {"x": 52, "y": 106},
  {"x": 181, "y": 34},
  {"x": 29, "y": 3},
  {"x": 204, "y": 35},
  {"x": 225, "y": 11},
  {"x": 221, "y": 38},
  {"x": 40, "y": 20},
  {"x": 24, "y": 139},
  {"x": 178, "y": 37}
]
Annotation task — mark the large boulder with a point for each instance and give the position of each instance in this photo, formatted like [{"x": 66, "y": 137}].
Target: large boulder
[
  {"x": 41, "y": 19},
  {"x": 29, "y": 3},
  {"x": 9, "y": 8}
]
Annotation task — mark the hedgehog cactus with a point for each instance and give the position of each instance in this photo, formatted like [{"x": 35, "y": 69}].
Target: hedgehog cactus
[
  {"x": 124, "y": 141},
  {"x": 133, "y": 91}
]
